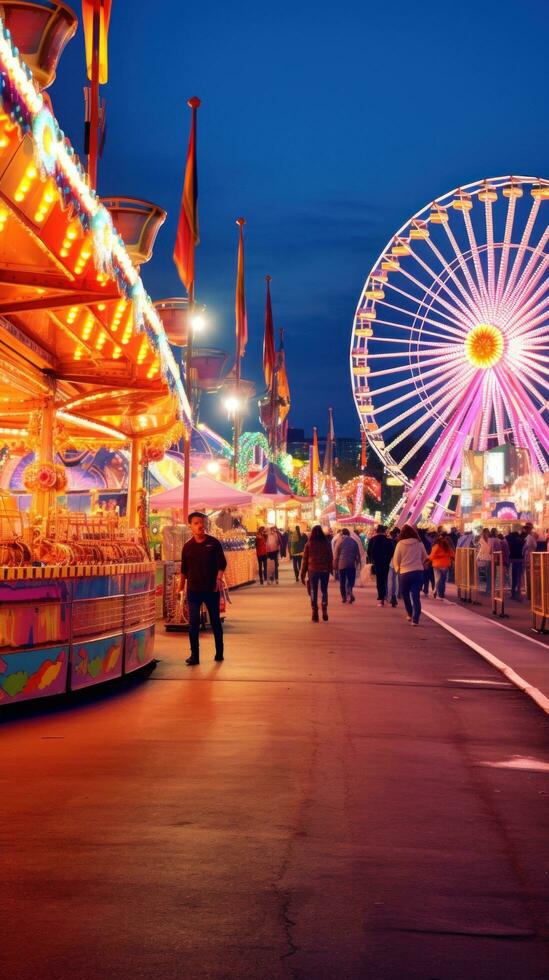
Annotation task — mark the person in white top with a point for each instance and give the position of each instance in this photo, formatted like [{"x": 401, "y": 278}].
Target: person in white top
[
  {"x": 484, "y": 557},
  {"x": 530, "y": 545},
  {"x": 409, "y": 561}
]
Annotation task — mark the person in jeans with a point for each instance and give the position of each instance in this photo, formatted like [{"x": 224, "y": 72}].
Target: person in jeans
[
  {"x": 273, "y": 551},
  {"x": 442, "y": 556},
  {"x": 409, "y": 561},
  {"x": 515, "y": 543},
  {"x": 530, "y": 544},
  {"x": 484, "y": 558},
  {"x": 346, "y": 559},
  {"x": 393, "y": 581},
  {"x": 261, "y": 552},
  {"x": 318, "y": 563},
  {"x": 202, "y": 565},
  {"x": 297, "y": 546},
  {"x": 380, "y": 552}
]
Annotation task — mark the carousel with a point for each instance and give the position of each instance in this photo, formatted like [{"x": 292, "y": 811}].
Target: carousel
[{"x": 85, "y": 363}]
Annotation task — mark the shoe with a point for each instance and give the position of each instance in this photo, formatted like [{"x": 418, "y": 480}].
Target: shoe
[
  {"x": 276, "y": 582},
  {"x": 379, "y": 602},
  {"x": 351, "y": 598},
  {"x": 394, "y": 603},
  {"x": 344, "y": 600},
  {"x": 314, "y": 616},
  {"x": 325, "y": 613},
  {"x": 219, "y": 657},
  {"x": 408, "y": 619},
  {"x": 435, "y": 596},
  {"x": 415, "y": 624},
  {"x": 192, "y": 661}
]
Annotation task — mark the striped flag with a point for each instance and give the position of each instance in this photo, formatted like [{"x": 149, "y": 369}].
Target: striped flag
[
  {"x": 187, "y": 229},
  {"x": 102, "y": 8},
  {"x": 268, "y": 340},
  {"x": 240, "y": 300}
]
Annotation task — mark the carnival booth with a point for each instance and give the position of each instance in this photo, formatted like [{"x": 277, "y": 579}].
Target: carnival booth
[
  {"x": 216, "y": 499},
  {"x": 84, "y": 363}
]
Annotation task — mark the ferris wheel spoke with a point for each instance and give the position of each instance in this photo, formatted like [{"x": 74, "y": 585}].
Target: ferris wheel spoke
[
  {"x": 447, "y": 332},
  {"x": 437, "y": 406},
  {"x": 441, "y": 409},
  {"x": 476, "y": 256},
  {"x": 456, "y": 318},
  {"x": 440, "y": 359},
  {"x": 402, "y": 383},
  {"x": 464, "y": 268},
  {"x": 499, "y": 413},
  {"x": 528, "y": 278},
  {"x": 536, "y": 362},
  {"x": 469, "y": 297},
  {"x": 468, "y": 308},
  {"x": 528, "y": 378},
  {"x": 415, "y": 341},
  {"x": 412, "y": 393},
  {"x": 522, "y": 408},
  {"x": 532, "y": 305},
  {"x": 491, "y": 256},
  {"x": 504, "y": 259},
  {"x": 453, "y": 326},
  {"x": 528, "y": 228},
  {"x": 487, "y": 407}
]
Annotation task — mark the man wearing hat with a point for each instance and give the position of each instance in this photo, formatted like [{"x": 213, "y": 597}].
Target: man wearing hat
[{"x": 202, "y": 565}]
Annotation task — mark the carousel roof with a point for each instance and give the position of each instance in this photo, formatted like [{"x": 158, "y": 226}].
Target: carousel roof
[{"x": 75, "y": 319}]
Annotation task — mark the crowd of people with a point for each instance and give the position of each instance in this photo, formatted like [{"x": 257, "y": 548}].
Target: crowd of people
[{"x": 405, "y": 563}]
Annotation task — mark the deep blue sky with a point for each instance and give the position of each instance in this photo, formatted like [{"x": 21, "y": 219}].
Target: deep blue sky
[{"x": 326, "y": 126}]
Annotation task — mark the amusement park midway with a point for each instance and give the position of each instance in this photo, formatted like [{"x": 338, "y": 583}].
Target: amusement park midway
[
  {"x": 274, "y": 491},
  {"x": 314, "y": 806}
]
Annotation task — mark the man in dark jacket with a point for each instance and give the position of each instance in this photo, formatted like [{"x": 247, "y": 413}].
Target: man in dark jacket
[
  {"x": 515, "y": 541},
  {"x": 202, "y": 565},
  {"x": 380, "y": 552}
]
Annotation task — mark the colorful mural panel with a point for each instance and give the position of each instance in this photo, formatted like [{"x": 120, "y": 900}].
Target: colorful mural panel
[
  {"x": 95, "y": 661},
  {"x": 139, "y": 649},
  {"x": 33, "y": 674}
]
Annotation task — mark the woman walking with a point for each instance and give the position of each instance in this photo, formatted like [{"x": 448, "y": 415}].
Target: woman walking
[
  {"x": 273, "y": 551},
  {"x": 261, "y": 551},
  {"x": 484, "y": 558},
  {"x": 297, "y": 547},
  {"x": 442, "y": 556},
  {"x": 346, "y": 561},
  {"x": 318, "y": 563},
  {"x": 409, "y": 561}
]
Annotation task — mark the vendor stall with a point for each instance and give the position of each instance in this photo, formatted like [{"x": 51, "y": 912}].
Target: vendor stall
[{"x": 84, "y": 363}]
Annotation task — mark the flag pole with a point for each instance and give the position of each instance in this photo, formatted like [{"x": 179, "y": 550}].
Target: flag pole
[
  {"x": 193, "y": 103},
  {"x": 240, "y": 325},
  {"x": 94, "y": 98}
]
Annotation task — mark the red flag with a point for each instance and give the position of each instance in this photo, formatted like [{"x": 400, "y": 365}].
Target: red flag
[
  {"x": 268, "y": 341},
  {"x": 240, "y": 301},
  {"x": 187, "y": 229}
]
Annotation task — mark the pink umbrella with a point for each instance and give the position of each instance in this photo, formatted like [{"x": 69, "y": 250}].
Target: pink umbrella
[{"x": 204, "y": 493}]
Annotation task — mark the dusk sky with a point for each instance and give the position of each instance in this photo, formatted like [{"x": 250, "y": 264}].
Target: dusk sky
[{"x": 326, "y": 126}]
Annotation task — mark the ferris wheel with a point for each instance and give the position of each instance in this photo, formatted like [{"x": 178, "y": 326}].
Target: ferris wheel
[{"x": 450, "y": 344}]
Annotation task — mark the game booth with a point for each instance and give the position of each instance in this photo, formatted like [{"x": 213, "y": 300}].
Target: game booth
[{"x": 85, "y": 366}]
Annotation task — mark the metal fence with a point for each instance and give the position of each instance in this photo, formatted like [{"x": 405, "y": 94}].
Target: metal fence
[
  {"x": 466, "y": 571},
  {"x": 539, "y": 589}
]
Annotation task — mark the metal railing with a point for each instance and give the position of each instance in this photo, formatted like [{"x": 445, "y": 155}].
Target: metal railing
[
  {"x": 498, "y": 585},
  {"x": 466, "y": 572},
  {"x": 539, "y": 589}
]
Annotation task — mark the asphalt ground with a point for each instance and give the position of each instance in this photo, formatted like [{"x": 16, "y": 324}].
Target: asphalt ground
[{"x": 352, "y": 799}]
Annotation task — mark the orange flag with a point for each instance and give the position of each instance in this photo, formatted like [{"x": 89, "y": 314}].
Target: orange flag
[
  {"x": 103, "y": 8},
  {"x": 268, "y": 340},
  {"x": 187, "y": 229},
  {"x": 316, "y": 458},
  {"x": 240, "y": 301}
]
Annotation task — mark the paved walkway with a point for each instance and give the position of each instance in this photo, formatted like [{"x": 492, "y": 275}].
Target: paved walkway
[
  {"x": 356, "y": 799},
  {"x": 509, "y": 644}
]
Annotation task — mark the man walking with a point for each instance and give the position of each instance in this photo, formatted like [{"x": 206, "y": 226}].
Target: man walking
[
  {"x": 346, "y": 559},
  {"x": 202, "y": 565}
]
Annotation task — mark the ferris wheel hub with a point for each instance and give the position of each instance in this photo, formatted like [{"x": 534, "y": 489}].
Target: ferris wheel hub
[{"x": 484, "y": 345}]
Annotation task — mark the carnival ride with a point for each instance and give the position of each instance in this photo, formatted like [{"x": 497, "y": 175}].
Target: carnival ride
[{"x": 449, "y": 348}]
